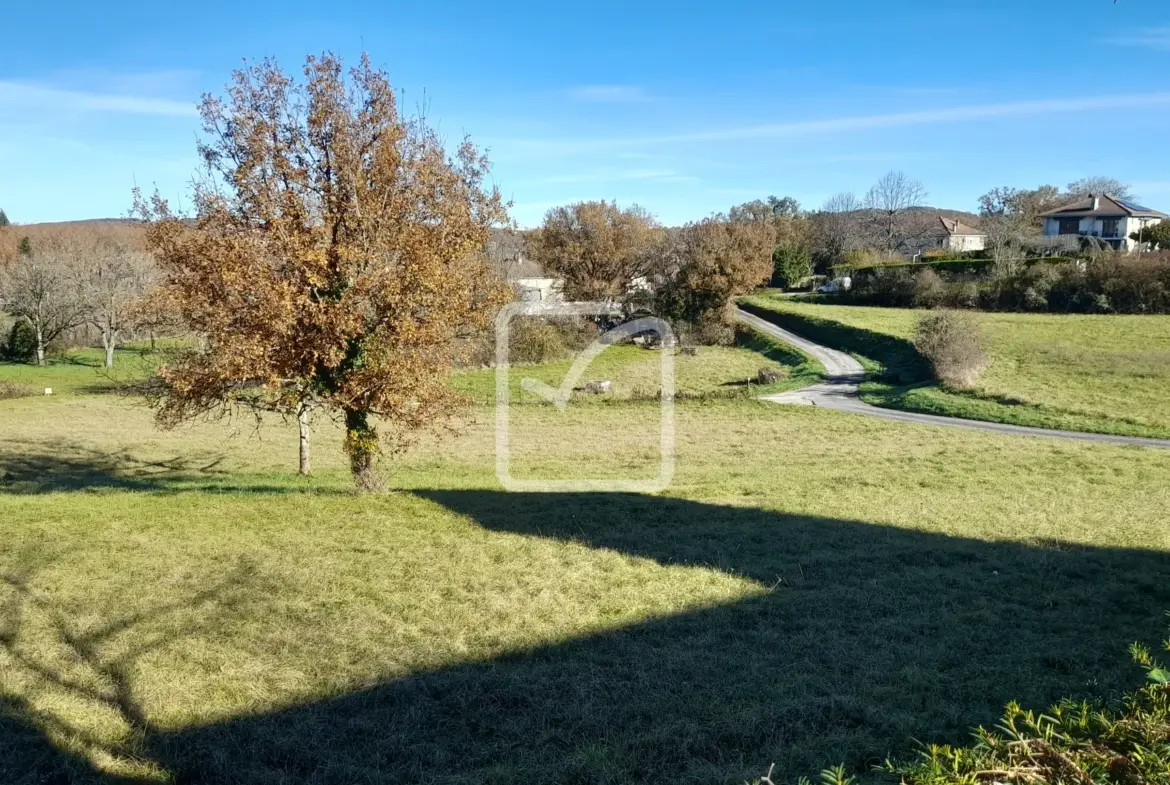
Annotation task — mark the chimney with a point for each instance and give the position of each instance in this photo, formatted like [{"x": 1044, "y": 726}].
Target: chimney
[
  {"x": 1096, "y": 201},
  {"x": 954, "y": 226}
]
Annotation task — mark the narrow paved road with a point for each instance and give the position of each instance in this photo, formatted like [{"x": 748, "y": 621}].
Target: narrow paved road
[{"x": 840, "y": 392}]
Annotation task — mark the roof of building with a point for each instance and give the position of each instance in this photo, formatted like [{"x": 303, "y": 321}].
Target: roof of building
[
  {"x": 1106, "y": 207},
  {"x": 953, "y": 227}
]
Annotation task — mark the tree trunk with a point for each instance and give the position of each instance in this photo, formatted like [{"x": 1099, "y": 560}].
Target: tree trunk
[
  {"x": 361, "y": 445},
  {"x": 304, "y": 416},
  {"x": 40, "y": 347},
  {"x": 109, "y": 344}
]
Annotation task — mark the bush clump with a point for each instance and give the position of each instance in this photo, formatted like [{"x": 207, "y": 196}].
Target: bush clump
[
  {"x": 22, "y": 342},
  {"x": 10, "y": 389},
  {"x": 953, "y": 343},
  {"x": 930, "y": 291},
  {"x": 1073, "y": 743},
  {"x": 1120, "y": 742},
  {"x": 538, "y": 340}
]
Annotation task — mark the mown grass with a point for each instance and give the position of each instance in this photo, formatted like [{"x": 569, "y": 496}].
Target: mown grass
[
  {"x": 82, "y": 371},
  {"x": 814, "y": 587},
  {"x": 1094, "y": 373},
  {"x": 636, "y": 373}
]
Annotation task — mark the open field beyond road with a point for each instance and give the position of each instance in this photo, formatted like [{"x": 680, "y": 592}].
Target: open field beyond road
[
  {"x": 814, "y": 587},
  {"x": 1105, "y": 374}
]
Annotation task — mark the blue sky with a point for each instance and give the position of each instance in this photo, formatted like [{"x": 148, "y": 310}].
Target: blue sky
[{"x": 683, "y": 109}]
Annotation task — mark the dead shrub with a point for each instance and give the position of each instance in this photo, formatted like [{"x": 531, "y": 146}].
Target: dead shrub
[
  {"x": 10, "y": 389},
  {"x": 711, "y": 331},
  {"x": 929, "y": 289},
  {"x": 953, "y": 343},
  {"x": 540, "y": 340}
]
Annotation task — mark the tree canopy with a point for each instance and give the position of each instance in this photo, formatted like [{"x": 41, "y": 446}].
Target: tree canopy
[
  {"x": 334, "y": 257},
  {"x": 598, "y": 248}
]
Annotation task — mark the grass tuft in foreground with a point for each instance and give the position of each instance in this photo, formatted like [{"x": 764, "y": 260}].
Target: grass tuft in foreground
[{"x": 1084, "y": 742}]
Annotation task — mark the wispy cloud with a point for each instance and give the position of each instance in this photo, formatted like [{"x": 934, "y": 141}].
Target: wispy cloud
[
  {"x": 607, "y": 175},
  {"x": 956, "y": 114},
  {"x": 1148, "y": 38},
  {"x": 851, "y": 124},
  {"x": 609, "y": 94},
  {"x": 23, "y": 97}
]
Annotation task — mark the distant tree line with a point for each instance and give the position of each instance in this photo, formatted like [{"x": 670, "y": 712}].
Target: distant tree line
[{"x": 55, "y": 279}]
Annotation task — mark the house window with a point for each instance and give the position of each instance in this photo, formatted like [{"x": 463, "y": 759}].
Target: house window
[
  {"x": 1110, "y": 227},
  {"x": 1070, "y": 226}
]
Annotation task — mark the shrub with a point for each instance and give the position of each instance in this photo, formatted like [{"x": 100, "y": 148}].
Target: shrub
[
  {"x": 536, "y": 340},
  {"x": 771, "y": 374},
  {"x": 892, "y": 287},
  {"x": 930, "y": 291},
  {"x": 1088, "y": 743},
  {"x": 10, "y": 389},
  {"x": 22, "y": 342},
  {"x": 712, "y": 331},
  {"x": 953, "y": 343}
]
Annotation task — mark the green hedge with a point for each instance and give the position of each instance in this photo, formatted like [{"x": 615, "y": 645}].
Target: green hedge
[
  {"x": 900, "y": 361},
  {"x": 955, "y": 266}
]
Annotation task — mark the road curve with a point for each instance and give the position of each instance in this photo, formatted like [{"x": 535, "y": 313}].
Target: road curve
[{"x": 839, "y": 391}]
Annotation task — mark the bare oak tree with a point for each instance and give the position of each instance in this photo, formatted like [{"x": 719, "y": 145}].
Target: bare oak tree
[
  {"x": 597, "y": 247},
  {"x": 43, "y": 285},
  {"x": 836, "y": 229},
  {"x": 889, "y": 205},
  {"x": 115, "y": 275},
  {"x": 1100, "y": 186},
  {"x": 334, "y": 258}
]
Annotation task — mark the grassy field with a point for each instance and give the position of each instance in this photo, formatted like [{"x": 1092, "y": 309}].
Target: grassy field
[
  {"x": 80, "y": 371},
  {"x": 714, "y": 371},
  {"x": 814, "y": 587},
  {"x": 1105, "y": 374}
]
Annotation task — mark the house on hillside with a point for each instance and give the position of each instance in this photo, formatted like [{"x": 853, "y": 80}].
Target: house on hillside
[
  {"x": 954, "y": 235},
  {"x": 1108, "y": 219}
]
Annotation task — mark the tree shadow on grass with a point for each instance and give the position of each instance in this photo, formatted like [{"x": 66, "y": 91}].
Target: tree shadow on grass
[
  {"x": 64, "y": 466},
  {"x": 79, "y": 663},
  {"x": 857, "y": 639}
]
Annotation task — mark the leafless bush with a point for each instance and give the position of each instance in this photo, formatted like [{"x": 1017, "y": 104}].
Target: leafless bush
[
  {"x": 538, "y": 340},
  {"x": 929, "y": 289},
  {"x": 953, "y": 343},
  {"x": 712, "y": 331},
  {"x": 10, "y": 389}
]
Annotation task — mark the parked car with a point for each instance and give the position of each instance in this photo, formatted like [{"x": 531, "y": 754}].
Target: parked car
[{"x": 836, "y": 285}]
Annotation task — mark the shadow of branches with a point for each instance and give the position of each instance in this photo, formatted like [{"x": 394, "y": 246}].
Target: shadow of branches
[{"x": 59, "y": 660}]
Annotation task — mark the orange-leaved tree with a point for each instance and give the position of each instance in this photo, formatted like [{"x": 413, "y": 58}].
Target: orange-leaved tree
[
  {"x": 333, "y": 261},
  {"x": 599, "y": 248}
]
